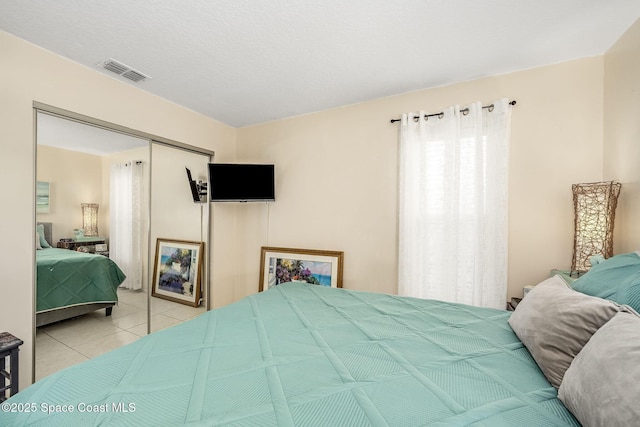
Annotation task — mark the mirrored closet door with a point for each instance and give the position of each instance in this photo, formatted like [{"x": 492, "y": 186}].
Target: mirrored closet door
[{"x": 108, "y": 195}]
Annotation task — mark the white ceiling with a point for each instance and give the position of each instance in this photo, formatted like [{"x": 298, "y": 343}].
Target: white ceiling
[{"x": 245, "y": 62}]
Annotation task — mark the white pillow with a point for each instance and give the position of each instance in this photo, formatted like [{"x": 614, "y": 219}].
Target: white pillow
[
  {"x": 38, "y": 247},
  {"x": 43, "y": 241}
]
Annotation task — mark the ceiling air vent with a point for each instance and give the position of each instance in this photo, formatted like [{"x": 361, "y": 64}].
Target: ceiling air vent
[{"x": 123, "y": 70}]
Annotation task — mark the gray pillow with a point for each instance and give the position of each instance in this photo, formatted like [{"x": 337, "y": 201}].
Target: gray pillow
[
  {"x": 554, "y": 322},
  {"x": 601, "y": 387}
]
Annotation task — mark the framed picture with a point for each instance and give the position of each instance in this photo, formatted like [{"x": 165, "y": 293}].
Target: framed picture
[
  {"x": 177, "y": 271},
  {"x": 42, "y": 197},
  {"x": 280, "y": 265}
]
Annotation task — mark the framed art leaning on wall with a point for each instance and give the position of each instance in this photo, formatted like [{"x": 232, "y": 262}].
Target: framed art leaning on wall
[
  {"x": 177, "y": 271},
  {"x": 318, "y": 267}
]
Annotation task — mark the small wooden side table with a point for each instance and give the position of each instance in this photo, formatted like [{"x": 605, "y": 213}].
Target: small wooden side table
[
  {"x": 9, "y": 348},
  {"x": 88, "y": 242},
  {"x": 511, "y": 305}
]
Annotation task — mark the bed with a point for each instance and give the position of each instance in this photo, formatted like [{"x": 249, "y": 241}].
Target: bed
[
  {"x": 71, "y": 283},
  {"x": 301, "y": 354},
  {"x": 307, "y": 355}
]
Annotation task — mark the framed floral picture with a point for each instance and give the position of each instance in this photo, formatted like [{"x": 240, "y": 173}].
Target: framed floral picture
[
  {"x": 177, "y": 271},
  {"x": 318, "y": 267}
]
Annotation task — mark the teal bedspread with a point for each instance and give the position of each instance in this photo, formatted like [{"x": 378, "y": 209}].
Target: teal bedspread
[
  {"x": 66, "y": 278},
  {"x": 305, "y": 355}
]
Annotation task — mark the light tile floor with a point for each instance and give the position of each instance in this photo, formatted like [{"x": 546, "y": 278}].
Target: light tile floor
[{"x": 72, "y": 341}]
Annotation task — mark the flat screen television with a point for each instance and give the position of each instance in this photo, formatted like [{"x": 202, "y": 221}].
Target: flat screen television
[{"x": 241, "y": 182}]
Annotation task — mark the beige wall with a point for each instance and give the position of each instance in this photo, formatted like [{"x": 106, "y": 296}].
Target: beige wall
[
  {"x": 622, "y": 134},
  {"x": 337, "y": 174},
  {"x": 29, "y": 74},
  {"x": 74, "y": 178}
]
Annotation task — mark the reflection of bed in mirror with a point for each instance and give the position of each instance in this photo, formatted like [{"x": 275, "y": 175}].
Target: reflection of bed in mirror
[{"x": 71, "y": 283}]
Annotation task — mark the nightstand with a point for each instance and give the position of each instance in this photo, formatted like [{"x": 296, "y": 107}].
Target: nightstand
[
  {"x": 88, "y": 242},
  {"x": 511, "y": 305},
  {"x": 9, "y": 348}
]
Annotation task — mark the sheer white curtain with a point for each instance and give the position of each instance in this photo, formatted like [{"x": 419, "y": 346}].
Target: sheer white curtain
[
  {"x": 453, "y": 205},
  {"x": 125, "y": 236}
]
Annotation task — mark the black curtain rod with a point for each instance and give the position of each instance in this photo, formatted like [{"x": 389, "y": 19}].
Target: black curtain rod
[{"x": 464, "y": 111}]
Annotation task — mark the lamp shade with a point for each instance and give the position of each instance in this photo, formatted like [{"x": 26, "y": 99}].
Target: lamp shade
[
  {"x": 90, "y": 219},
  {"x": 595, "y": 210}
]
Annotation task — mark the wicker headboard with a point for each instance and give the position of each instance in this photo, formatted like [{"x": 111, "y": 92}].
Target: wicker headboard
[{"x": 47, "y": 232}]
